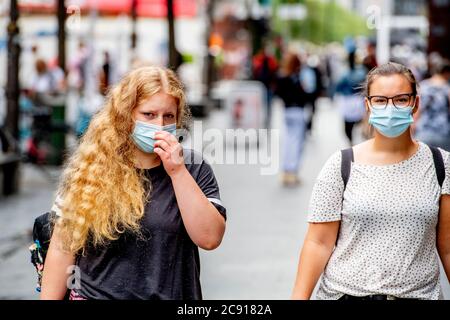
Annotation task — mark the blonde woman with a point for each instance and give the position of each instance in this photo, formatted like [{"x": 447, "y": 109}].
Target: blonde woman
[{"x": 134, "y": 206}]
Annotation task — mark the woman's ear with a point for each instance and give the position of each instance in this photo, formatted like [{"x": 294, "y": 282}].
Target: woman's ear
[
  {"x": 416, "y": 104},
  {"x": 416, "y": 111},
  {"x": 366, "y": 104}
]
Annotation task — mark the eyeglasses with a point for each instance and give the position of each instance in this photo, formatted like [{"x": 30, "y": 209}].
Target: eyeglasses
[{"x": 400, "y": 101}]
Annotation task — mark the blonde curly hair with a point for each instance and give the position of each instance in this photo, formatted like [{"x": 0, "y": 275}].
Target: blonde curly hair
[{"x": 102, "y": 192}]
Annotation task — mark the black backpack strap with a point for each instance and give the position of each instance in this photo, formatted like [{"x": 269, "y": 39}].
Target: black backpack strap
[
  {"x": 346, "y": 166},
  {"x": 438, "y": 165},
  {"x": 346, "y": 163}
]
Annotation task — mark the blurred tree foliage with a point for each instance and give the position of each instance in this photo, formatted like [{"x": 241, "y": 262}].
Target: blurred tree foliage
[{"x": 326, "y": 21}]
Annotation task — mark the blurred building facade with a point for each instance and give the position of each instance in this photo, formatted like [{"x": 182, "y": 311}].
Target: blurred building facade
[{"x": 439, "y": 13}]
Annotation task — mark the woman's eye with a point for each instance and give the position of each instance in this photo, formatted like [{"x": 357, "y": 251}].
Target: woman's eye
[
  {"x": 170, "y": 116},
  {"x": 148, "y": 114}
]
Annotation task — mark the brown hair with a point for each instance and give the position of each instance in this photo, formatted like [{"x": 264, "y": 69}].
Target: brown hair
[
  {"x": 291, "y": 63},
  {"x": 389, "y": 69},
  {"x": 41, "y": 66}
]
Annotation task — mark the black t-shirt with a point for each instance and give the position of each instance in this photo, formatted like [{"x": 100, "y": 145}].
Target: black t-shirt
[{"x": 164, "y": 264}]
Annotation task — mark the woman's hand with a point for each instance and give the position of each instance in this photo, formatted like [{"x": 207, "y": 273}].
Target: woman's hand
[{"x": 170, "y": 151}]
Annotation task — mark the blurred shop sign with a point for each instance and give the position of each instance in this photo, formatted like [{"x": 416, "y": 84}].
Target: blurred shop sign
[
  {"x": 409, "y": 7},
  {"x": 245, "y": 103},
  {"x": 4, "y": 8},
  {"x": 296, "y": 11},
  {"x": 145, "y": 8}
]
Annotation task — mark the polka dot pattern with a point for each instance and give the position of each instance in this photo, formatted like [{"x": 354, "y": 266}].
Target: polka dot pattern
[{"x": 387, "y": 239}]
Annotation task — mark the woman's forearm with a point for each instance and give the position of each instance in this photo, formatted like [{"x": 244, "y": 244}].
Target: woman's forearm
[
  {"x": 446, "y": 264},
  {"x": 444, "y": 254},
  {"x": 313, "y": 259},
  {"x": 202, "y": 220},
  {"x": 443, "y": 234},
  {"x": 54, "y": 279}
]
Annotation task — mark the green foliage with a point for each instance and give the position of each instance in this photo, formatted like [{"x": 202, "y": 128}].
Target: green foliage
[{"x": 326, "y": 21}]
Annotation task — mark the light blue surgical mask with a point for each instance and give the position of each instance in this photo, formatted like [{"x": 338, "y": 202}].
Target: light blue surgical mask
[
  {"x": 144, "y": 134},
  {"x": 391, "y": 121}
]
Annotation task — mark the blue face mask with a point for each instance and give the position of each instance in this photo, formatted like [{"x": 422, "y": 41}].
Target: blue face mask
[
  {"x": 391, "y": 121},
  {"x": 144, "y": 133}
]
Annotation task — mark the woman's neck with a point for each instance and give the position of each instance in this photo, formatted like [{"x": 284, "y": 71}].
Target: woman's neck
[
  {"x": 147, "y": 160},
  {"x": 403, "y": 144}
]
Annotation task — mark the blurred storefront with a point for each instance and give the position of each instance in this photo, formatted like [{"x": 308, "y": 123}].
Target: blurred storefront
[
  {"x": 439, "y": 36},
  {"x": 145, "y": 8},
  {"x": 231, "y": 46},
  {"x": 235, "y": 35}
]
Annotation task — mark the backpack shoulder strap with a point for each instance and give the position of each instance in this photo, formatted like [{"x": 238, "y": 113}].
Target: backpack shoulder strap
[
  {"x": 346, "y": 166},
  {"x": 438, "y": 164},
  {"x": 346, "y": 163}
]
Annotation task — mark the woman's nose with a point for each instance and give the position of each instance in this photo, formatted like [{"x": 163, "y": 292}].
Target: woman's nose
[{"x": 159, "y": 121}]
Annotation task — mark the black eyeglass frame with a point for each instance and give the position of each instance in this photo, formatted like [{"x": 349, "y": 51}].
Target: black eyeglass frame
[{"x": 391, "y": 98}]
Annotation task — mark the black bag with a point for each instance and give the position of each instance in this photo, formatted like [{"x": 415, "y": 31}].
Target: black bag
[{"x": 42, "y": 233}]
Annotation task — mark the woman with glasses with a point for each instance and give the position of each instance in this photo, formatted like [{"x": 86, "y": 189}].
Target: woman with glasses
[{"x": 379, "y": 216}]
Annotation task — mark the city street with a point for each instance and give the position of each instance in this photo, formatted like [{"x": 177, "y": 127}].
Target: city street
[
  {"x": 265, "y": 228},
  {"x": 266, "y": 222}
]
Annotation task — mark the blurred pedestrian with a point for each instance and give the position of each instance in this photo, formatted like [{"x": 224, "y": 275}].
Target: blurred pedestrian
[
  {"x": 133, "y": 205},
  {"x": 45, "y": 82},
  {"x": 379, "y": 216},
  {"x": 370, "y": 60},
  {"x": 290, "y": 90},
  {"x": 333, "y": 66},
  {"x": 348, "y": 99},
  {"x": 265, "y": 68},
  {"x": 78, "y": 68},
  {"x": 29, "y": 56},
  {"x": 433, "y": 123},
  {"x": 311, "y": 80},
  {"x": 105, "y": 74},
  {"x": 238, "y": 110},
  {"x": 58, "y": 75}
]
